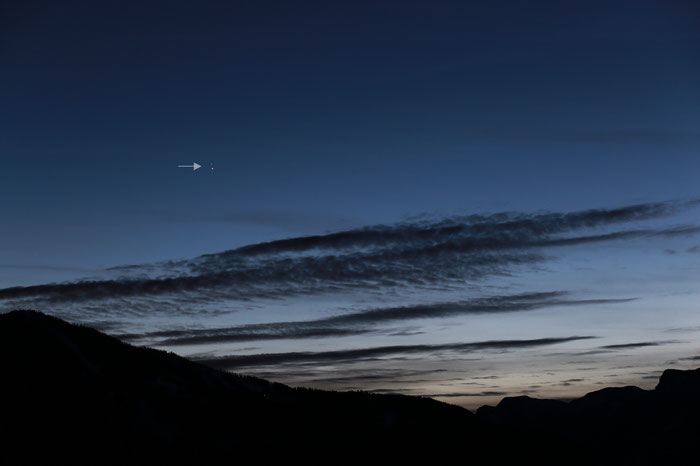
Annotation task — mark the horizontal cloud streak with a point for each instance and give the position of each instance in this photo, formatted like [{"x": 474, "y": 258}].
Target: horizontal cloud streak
[
  {"x": 354, "y": 355},
  {"x": 460, "y": 395},
  {"x": 362, "y": 322},
  {"x": 491, "y": 226},
  {"x": 642, "y": 344}
]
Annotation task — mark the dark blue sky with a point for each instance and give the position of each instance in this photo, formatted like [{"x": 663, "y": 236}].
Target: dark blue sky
[{"x": 328, "y": 116}]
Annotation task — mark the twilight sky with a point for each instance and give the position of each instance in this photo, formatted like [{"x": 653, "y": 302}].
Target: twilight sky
[{"x": 464, "y": 200}]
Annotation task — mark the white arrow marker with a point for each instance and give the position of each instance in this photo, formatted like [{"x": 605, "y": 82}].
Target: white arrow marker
[{"x": 194, "y": 166}]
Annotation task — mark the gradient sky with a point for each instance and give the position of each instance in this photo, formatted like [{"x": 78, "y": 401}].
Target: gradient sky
[{"x": 399, "y": 130}]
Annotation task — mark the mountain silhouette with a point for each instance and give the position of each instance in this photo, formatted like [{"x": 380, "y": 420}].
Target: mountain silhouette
[
  {"x": 615, "y": 425},
  {"x": 72, "y": 394}
]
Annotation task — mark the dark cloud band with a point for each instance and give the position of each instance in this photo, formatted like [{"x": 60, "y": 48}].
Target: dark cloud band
[
  {"x": 364, "y": 321},
  {"x": 414, "y": 254},
  {"x": 355, "y": 355}
]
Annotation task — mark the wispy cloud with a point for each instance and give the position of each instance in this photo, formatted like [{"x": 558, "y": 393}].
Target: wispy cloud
[
  {"x": 465, "y": 394},
  {"x": 641, "y": 344},
  {"x": 375, "y": 375},
  {"x": 355, "y": 355},
  {"x": 621, "y": 347},
  {"x": 364, "y": 321},
  {"x": 419, "y": 253}
]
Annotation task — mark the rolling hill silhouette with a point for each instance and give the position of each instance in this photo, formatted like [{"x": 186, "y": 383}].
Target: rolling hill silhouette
[{"x": 71, "y": 393}]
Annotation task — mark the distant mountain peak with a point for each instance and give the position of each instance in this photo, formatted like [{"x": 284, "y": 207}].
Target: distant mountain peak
[{"x": 679, "y": 381}]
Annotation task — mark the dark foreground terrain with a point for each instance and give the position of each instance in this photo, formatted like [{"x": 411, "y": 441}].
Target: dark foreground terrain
[
  {"x": 71, "y": 393},
  {"x": 617, "y": 425}
]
